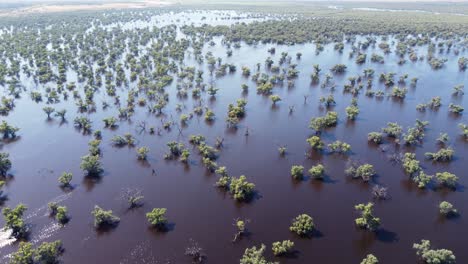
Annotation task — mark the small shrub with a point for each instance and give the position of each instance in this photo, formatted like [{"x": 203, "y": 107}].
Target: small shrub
[
  {"x": 103, "y": 218},
  {"x": 282, "y": 248},
  {"x": 297, "y": 172},
  {"x": 428, "y": 255},
  {"x": 447, "y": 209},
  {"x": 367, "y": 220},
  {"x": 302, "y": 225},
  {"x": 157, "y": 218},
  {"x": 317, "y": 171}
]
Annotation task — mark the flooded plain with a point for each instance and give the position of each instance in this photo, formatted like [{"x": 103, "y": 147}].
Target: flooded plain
[{"x": 199, "y": 211}]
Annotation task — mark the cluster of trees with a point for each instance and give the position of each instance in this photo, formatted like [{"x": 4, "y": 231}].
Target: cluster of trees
[
  {"x": 239, "y": 187},
  {"x": 106, "y": 60},
  {"x": 46, "y": 252}
]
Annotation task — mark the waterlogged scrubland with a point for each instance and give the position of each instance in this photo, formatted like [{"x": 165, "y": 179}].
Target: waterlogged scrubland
[{"x": 169, "y": 136}]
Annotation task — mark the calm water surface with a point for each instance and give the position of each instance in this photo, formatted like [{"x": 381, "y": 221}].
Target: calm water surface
[{"x": 197, "y": 210}]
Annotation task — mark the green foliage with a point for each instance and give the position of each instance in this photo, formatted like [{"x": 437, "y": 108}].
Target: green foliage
[
  {"x": 365, "y": 171},
  {"x": 444, "y": 154},
  {"x": 241, "y": 189},
  {"x": 367, "y": 220},
  {"x": 375, "y": 137},
  {"x": 61, "y": 114},
  {"x": 370, "y": 259},
  {"x": 83, "y": 123},
  {"x": 433, "y": 256},
  {"x": 142, "y": 153},
  {"x": 411, "y": 164},
  {"x": 255, "y": 256},
  {"x": 339, "y": 147},
  {"x": 91, "y": 165},
  {"x": 236, "y": 112},
  {"x": 328, "y": 101},
  {"x": 175, "y": 149},
  {"x": 392, "y": 130},
  {"x": 48, "y": 110},
  {"x": 14, "y": 220},
  {"x": 320, "y": 123},
  {"x": 196, "y": 139},
  {"x": 8, "y": 130},
  {"x": 5, "y": 163},
  {"x": 447, "y": 179},
  {"x": 315, "y": 142},
  {"x": 352, "y": 111},
  {"x": 317, "y": 171},
  {"x": 110, "y": 122},
  {"x": 399, "y": 93},
  {"x": 61, "y": 214},
  {"x": 94, "y": 149},
  {"x": 456, "y": 109},
  {"x": 281, "y": 248},
  {"x": 24, "y": 255},
  {"x": 422, "y": 179},
  {"x": 302, "y": 225},
  {"x": 209, "y": 115},
  {"x": 46, "y": 253},
  {"x": 338, "y": 68},
  {"x": 223, "y": 182},
  {"x": 282, "y": 150},
  {"x": 265, "y": 88},
  {"x": 120, "y": 141},
  {"x": 464, "y": 129},
  {"x": 275, "y": 98},
  {"x": 103, "y": 218},
  {"x": 157, "y": 217},
  {"x": 415, "y": 135},
  {"x": 65, "y": 178},
  {"x": 297, "y": 172},
  {"x": 447, "y": 209}
]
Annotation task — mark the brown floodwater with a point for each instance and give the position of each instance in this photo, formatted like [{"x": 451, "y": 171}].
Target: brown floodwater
[{"x": 197, "y": 210}]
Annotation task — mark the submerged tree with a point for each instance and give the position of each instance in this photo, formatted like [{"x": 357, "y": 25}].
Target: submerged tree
[
  {"x": 447, "y": 209},
  {"x": 392, "y": 130},
  {"x": 103, "y": 218},
  {"x": 370, "y": 259},
  {"x": 8, "y": 130},
  {"x": 447, "y": 179},
  {"x": 364, "y": 171},
  {"x": 297, "y": 172},
  {"x": 142, "y": 153},
  {"x": 302, "y": 225},
  {"x": 5, "y": 163},
  {"x": 91, "y": 165},
  {"x": 320, "y": 123},
  {"x": 241, "y": 189},
  {"x": 315, "y": 142},
  {"x": 367, "y": 220},
  {"x": 46, "y": 253},
  {"x": 275, "y": 98},
  {"x": 282, "y": 247},
  {"x": 14, "y": 220},
  {"x": 240, "y": 227},
  {"x": 48, "y": 110},
  {"x": 375, "y": 137},
  {"x": 255, "y": 256},
  {"x": 317, "y": 171},
  {"x": 65, "y": 179},
  {"x": 157, "y": 218},
  {"x": 339, "y": 147},
  {"x": 444, "y": 154},
  {"x": 428, "y": 255}
]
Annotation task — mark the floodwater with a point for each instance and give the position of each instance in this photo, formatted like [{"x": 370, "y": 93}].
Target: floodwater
[{"x": 197, "y": 210}]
